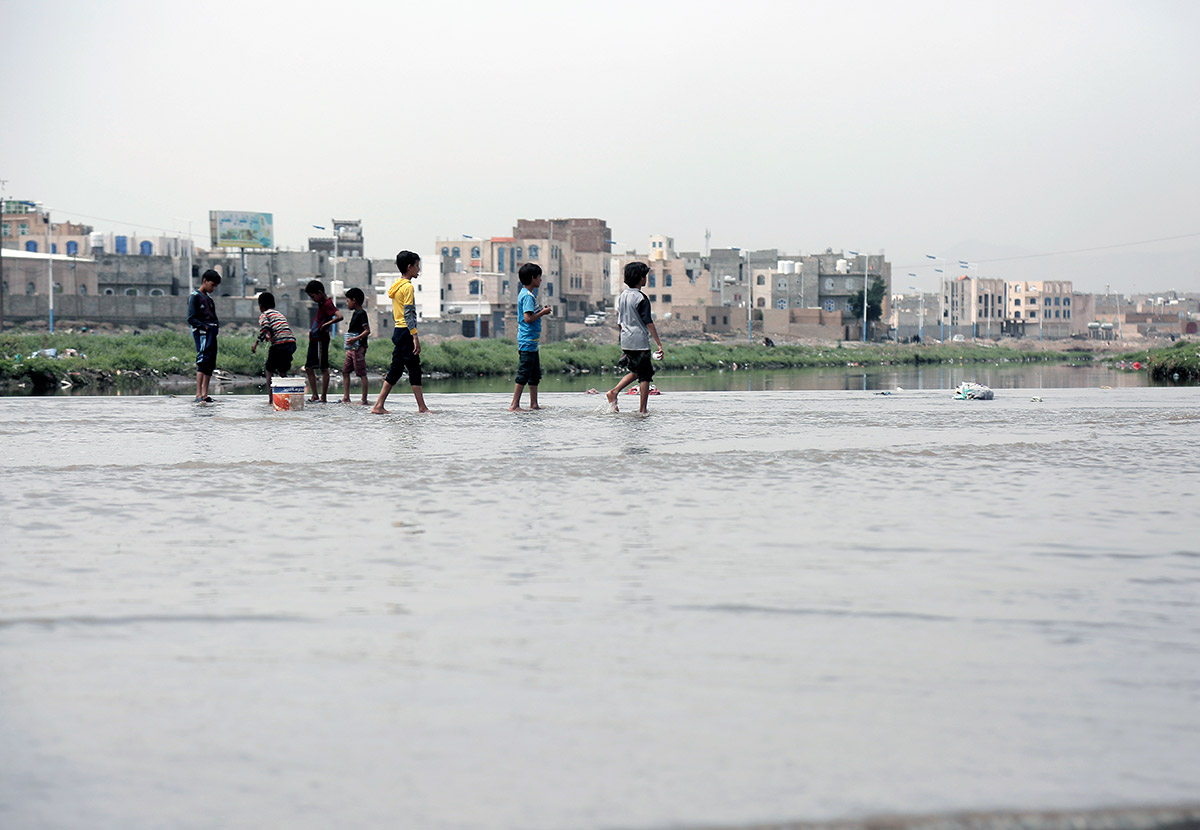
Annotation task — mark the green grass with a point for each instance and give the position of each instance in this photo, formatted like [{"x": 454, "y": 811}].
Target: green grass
[{"x": 172, "y": 352}]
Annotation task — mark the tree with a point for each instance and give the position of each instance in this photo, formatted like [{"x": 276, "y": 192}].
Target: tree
[{"x": 874, "y": 302}]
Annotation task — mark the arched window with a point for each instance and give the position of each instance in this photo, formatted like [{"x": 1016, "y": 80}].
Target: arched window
[
  {"x": 156, "y": 292},
  {"x": 72, "y": 248},
  {"x": 30, "y": 289},
  {"x": 54, "y": 247},
  {"x": 474, "y": 289},
  {"x": 533, "y": 251},
  {"x": 475, "y": 252},
  {"x": 445, "y": 252},
  {"x": 83, "y": 290},
  {"x": 131, "y": 292},
  {"x": 108, "y": 292},
  {"x": 518, "y": 253},
  {"x": 457, "y": 251},
  {"x": 146, "y": 248},
  {"x": 30, "y": 245}
]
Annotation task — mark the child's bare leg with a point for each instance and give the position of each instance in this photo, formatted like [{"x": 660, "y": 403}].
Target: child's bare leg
[
  {"x": 346, "y": 387},
  {"x": 207, "y": 379},
  {"x": 324, "y": 386},
  {"x": 312, "y": 384},
  {"x": 515, "y": 406},
  {"x": 644, "y": 395},
  {"x": 618, "y": 389},
  {"x": 199, "y": 386},
  {"x": 270, "y": 397},
  {"x": 533, "y": 404},
  {"x": 364, "y": 386},
  {"x": 420, "y": 396},
  {"x": 378, "y": 409}
]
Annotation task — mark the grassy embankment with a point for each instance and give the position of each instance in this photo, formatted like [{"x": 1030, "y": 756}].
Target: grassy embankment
[
  {"x": 116, "y": 358},
  {"x": 1179, "y": 363}
]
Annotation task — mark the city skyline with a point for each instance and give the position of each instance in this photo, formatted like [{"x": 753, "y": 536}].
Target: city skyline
[{"x": 983, "y": 131}]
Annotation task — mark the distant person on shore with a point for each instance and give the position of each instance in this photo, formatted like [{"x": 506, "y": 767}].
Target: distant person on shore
[
  {"x": 273, "y": 327},
  {"x": 406, "y": 343},
  {"x": 318, "y": 339},
  {"x": 637, "y": 324},
  {"x": 529, "y": 332},
  {"x": 202, "y": 317},
  {"x": 356, "y": 344}
]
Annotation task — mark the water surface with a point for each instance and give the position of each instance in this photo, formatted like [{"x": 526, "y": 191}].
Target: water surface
[{"x": 745, "y": 607}]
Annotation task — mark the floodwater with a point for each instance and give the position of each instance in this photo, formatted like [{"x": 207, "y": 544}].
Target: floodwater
[{"x": 746, "y": 607}]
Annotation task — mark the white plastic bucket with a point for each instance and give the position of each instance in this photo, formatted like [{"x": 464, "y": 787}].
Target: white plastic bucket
[{"x": 288, "y": 393}]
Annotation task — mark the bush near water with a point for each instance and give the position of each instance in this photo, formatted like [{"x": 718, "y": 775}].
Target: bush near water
[{"x": 114, "y": 358}]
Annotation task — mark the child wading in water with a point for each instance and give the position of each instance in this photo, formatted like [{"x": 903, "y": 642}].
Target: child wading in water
[
  {"x": 529, "y": 332},
  {"x": 356, "y": 344},
  {"x": 273, "y": 327},
  {"x": 406, "y": 343},
  {"x": 637, "y": 324}
]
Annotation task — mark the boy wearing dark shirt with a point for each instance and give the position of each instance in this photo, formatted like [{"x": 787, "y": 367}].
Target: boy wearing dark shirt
[
  {"x": 356, "y": 344},
  {"x": 202, "y": 317},
  {"x": 318, "y": 339}
]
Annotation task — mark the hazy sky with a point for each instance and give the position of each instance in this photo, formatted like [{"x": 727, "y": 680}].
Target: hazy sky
[{"x": 976, "y": 129}]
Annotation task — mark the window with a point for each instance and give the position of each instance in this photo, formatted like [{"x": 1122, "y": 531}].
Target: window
[
  {"x": 651, "y": 280},
  {"x": 1017, "y": 301},
  {"x": 762, "y": 280},
  {"x": 829, "y": 305},
  {"x": 533, "y": 251},
  {"x": 31, "y": 245},
  {"x": 54, "y": 247},
  {"x": 666, "y": 298},
  {"x": 761, "y": 302},
  {"x": 829, "y": 284},
  {"x": 504, "y": 287},
  {"x": 30, "y": 289},
  {"x": 5, "y": 229},
  {"x": 72, "y": 248},
  {"x": 849, "y": 283},
  {"x": 475, "y": 252},
  {"x": 1056, "y": 312},
  {"x": 146, "y": 249},
  {"x": 1057, "y": 301},
  {"x": 781, "y": 285},
  {"x": 131, "y": 292},
  {"x": 108, "y": 292},
  {"x": 714, "y": 320},
  {"x": 445, "y": 252},
  {"x": 474, "y": 287},
  {"x": 512, "y": 260},
  {"x": 1067, "y": 314},
  {"x": 22, "y": 229},
  {"x": 122, "y": 244},
  {"x": 550, "y": 290},
  {"x": 1066, "y": 300},
  {"x": 1045, "y": 300},
  {"x": 667, "y": 280},
  {"x": 500, "y": 254},
  {"x": 1046, "y": 313},
  {"x": 449, "y": 287},
  {"x": 725, "y": 320},
  {"x": 518, "y": 253},
  {"x": 654, "y": 298},
  {"x": 156, "y": 292},
  {"x": 457, "y": 251}
]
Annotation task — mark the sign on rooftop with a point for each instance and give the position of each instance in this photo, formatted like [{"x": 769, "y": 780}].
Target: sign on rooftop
[{"x": 238, "y": 229}]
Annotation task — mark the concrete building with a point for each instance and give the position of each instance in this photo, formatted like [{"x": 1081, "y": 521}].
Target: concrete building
[
  {"x": 975, "y": 307},
  {"x": 137, "y": 245},
  {"x": 27, "y": 227},
  {"x": 1039, "y": 308},
  {"x": 28, "y": 274},
  {"x": 584, "y": 248},
  {"x": 346, "y": 241}
]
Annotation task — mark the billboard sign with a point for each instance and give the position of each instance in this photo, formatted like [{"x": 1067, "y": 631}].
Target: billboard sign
[{"x": 238, "y": 229}]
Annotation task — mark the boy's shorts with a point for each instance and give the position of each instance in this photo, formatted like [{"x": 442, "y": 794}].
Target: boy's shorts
[
  {"x": 356, "y": 360},
  {"x": 403, "y": 358},
  {"x": 318, "y": 353},
  {"x": 206, "y": 350},
  {"x": 529, "y": 367},
  {"x": 639, "y": 363},
  {"x": 279, "y": 358}
]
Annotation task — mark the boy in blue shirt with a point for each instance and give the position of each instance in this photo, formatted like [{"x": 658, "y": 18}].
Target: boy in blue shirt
[{"x": 529, "y": 332}]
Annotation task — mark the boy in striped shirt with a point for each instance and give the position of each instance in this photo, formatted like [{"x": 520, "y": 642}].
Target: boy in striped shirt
[{"x": 273, "y": 327}]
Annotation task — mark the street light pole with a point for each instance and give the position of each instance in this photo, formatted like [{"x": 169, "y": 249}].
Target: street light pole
[
  {"x": 866, "y": 276},
  {"x": 941, "y": 292}
]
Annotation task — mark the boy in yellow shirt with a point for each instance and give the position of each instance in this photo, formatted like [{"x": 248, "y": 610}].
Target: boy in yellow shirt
[{"x": 406, "y": 344}]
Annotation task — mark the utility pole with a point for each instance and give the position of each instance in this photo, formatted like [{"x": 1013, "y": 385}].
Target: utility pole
[{"x": 3, "y": 183}]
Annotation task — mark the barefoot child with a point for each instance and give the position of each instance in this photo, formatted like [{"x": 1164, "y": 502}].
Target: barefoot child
[
  {"x": 406, "y": 344},
  {"x": 202, "y": 317},
  {"x": 529, "y": 332},
  {"x": 273, "y": 327},
  {"x": 318, "y": 338},
  {"x": 356, "y": 344},
  {"x": 637, "y": 324}
]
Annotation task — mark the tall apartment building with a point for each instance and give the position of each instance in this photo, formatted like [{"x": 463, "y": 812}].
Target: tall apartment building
[
  {"x": 584, "y": 250},
  {"x": 1040, "y": 307},
  {"x": 975, "y": 306}
]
